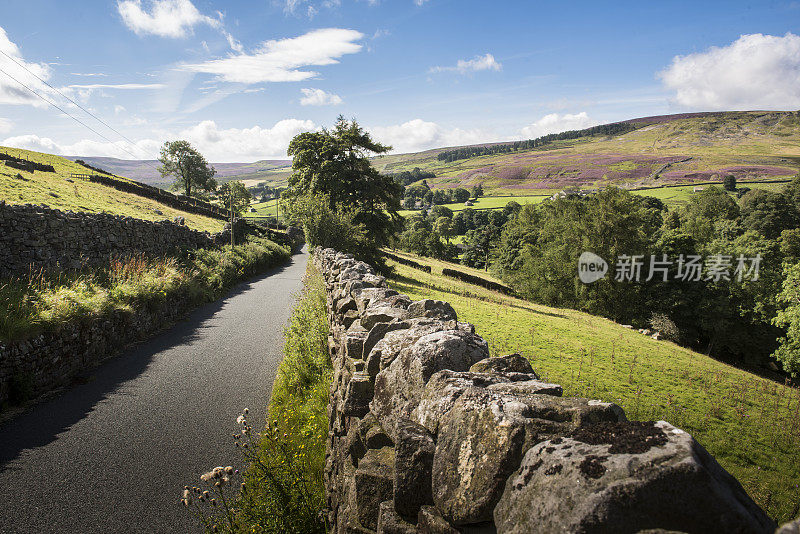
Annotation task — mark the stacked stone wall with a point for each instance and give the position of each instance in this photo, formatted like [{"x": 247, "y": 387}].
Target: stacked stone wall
[
  {"x": 40, "y": 237},
  {"x": 429, "y": 434}
]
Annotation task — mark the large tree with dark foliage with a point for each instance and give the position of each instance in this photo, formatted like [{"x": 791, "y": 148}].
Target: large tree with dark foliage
[
  {"x": 334, "y": 164},
  {"x": 190, "y": 169}
]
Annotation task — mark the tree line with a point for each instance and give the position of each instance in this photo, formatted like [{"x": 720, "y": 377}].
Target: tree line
[{"x": 617, "y": 128}]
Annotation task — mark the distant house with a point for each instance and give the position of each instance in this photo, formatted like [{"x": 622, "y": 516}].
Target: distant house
[
  {"x": 469, "y": 203},
  {"x": 252, "y": 210},
  {"x": 572, "y": 193},
  {"x": 697, "y": 189}
]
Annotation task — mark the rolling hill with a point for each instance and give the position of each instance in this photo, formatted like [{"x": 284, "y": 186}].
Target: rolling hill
[
  {"x": 60, "y": 190},
  {"x": 663, "y": 150}
]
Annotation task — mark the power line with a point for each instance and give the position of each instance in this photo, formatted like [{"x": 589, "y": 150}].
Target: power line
[
  {"x": 134, "y": 156},
  {"x": 95, "y": 117},
  {"x": 61, "y": 110}
]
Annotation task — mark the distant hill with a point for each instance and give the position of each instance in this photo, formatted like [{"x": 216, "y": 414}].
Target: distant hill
[
  {"x": 665, "y": 149},
  {"x": 146, "y": 170}
]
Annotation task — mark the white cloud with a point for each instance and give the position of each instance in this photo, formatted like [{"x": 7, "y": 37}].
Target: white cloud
[
  {"x": 167, "y": 18},
  {"x": 245, "y": 144},
  {"x": 416, "y": 135},
  {"x": 235, "y": 45},
  {"x": 216, "y": 144},
  {"x": 555, "y": 123},
  {"x": 12, "y": 92},
  {"x": 478, "y": 63},
  {"x": 121, "y": 86},
  {"x": 754, "y": 72},
  {"x": 119, "y": 109},
  {"x": 6, "y": 125},
  {"x": 146, "y": 148},
  {"x": 318, "y": 97},
  {"x": 282, "y": 60},
  {"x": 96, "y": 74}
]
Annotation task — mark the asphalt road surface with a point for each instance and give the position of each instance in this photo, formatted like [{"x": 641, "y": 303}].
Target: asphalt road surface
[{"x": 113, "y": 454}]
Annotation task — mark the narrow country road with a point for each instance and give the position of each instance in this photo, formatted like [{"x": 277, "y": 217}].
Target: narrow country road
[{"x": 113, "y": 454}]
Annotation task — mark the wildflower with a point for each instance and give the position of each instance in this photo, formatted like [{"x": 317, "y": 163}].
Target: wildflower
[
  {"x": 246, "y": 411},
  {"x": 229, "y": 470},
  {"x": 240, "y": 419},
  {"x": 206, "y": 494}
]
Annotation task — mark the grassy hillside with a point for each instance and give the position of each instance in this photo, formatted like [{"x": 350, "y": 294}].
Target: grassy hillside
[
  {"x": 662, "y": 150},
  {"x": 751, "y": 425},
  {"x": 59, "y": 191}
]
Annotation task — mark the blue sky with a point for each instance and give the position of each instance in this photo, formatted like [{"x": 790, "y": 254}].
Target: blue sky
[{"x": 240, "y": 78}]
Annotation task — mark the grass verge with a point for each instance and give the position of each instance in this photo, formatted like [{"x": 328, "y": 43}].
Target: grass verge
[
  {"x": 750, "y": 424},
  {"x": 42, "y": 302},
  {"x": 283, "y": 489}
]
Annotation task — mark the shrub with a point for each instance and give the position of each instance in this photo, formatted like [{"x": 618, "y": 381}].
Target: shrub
[{"x": 661, "y": 323}]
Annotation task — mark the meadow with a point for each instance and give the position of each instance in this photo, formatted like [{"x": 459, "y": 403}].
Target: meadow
[
  {"x": 58, "y": 190},
  {"x": 750, "y": 424}
]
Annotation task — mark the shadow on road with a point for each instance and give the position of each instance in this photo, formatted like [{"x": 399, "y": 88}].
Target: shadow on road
[{"x": 43, "y": 422}]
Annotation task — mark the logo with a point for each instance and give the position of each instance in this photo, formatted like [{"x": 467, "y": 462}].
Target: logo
[{"x": 591, "y": 267}]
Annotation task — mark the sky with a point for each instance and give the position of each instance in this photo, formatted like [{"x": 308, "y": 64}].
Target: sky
[{"x": 239, "y": 78}]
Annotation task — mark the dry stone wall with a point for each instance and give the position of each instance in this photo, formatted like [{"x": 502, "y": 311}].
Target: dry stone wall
[
  {"x": 47, "y": 361},
  {"x": 43, "y": 237},
  {"x": 429, "y": 434}
]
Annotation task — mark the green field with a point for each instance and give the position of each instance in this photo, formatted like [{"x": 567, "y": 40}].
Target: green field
[
  {"x": 267, "y": 209},
  {"x": 58, "y": 190},
  {"x": 750, "y": 424},
  {"x": 484, "y": 203},
  {"x": 673, "y": 196}
]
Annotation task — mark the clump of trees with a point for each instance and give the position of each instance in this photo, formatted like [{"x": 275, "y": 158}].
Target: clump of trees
[
  {"x": 337, "y": 196},
  {"x": 733, "y": 314},
  {"x": 423, "y": 193},
  {"x": 430, "y": 233},
  {"x": 729, "y": 316}
]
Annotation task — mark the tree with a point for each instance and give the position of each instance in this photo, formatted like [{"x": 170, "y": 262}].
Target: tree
[
  {"x": 189, "y": 168},
  {"x": 768, "y": 213},
  {"x": 480, "y": 243},
  {"x": 705, "y": 210},
  {"x": 788, "y": 353},
  {"x": 729, "y": 183},
  {"x": 460, "y": 195},
  {"x": 477, "y": 191},
  {"x": 335, "y": 163},
  {"x": 237, "y": 190},
  {"x": 442, "y": 227}
]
